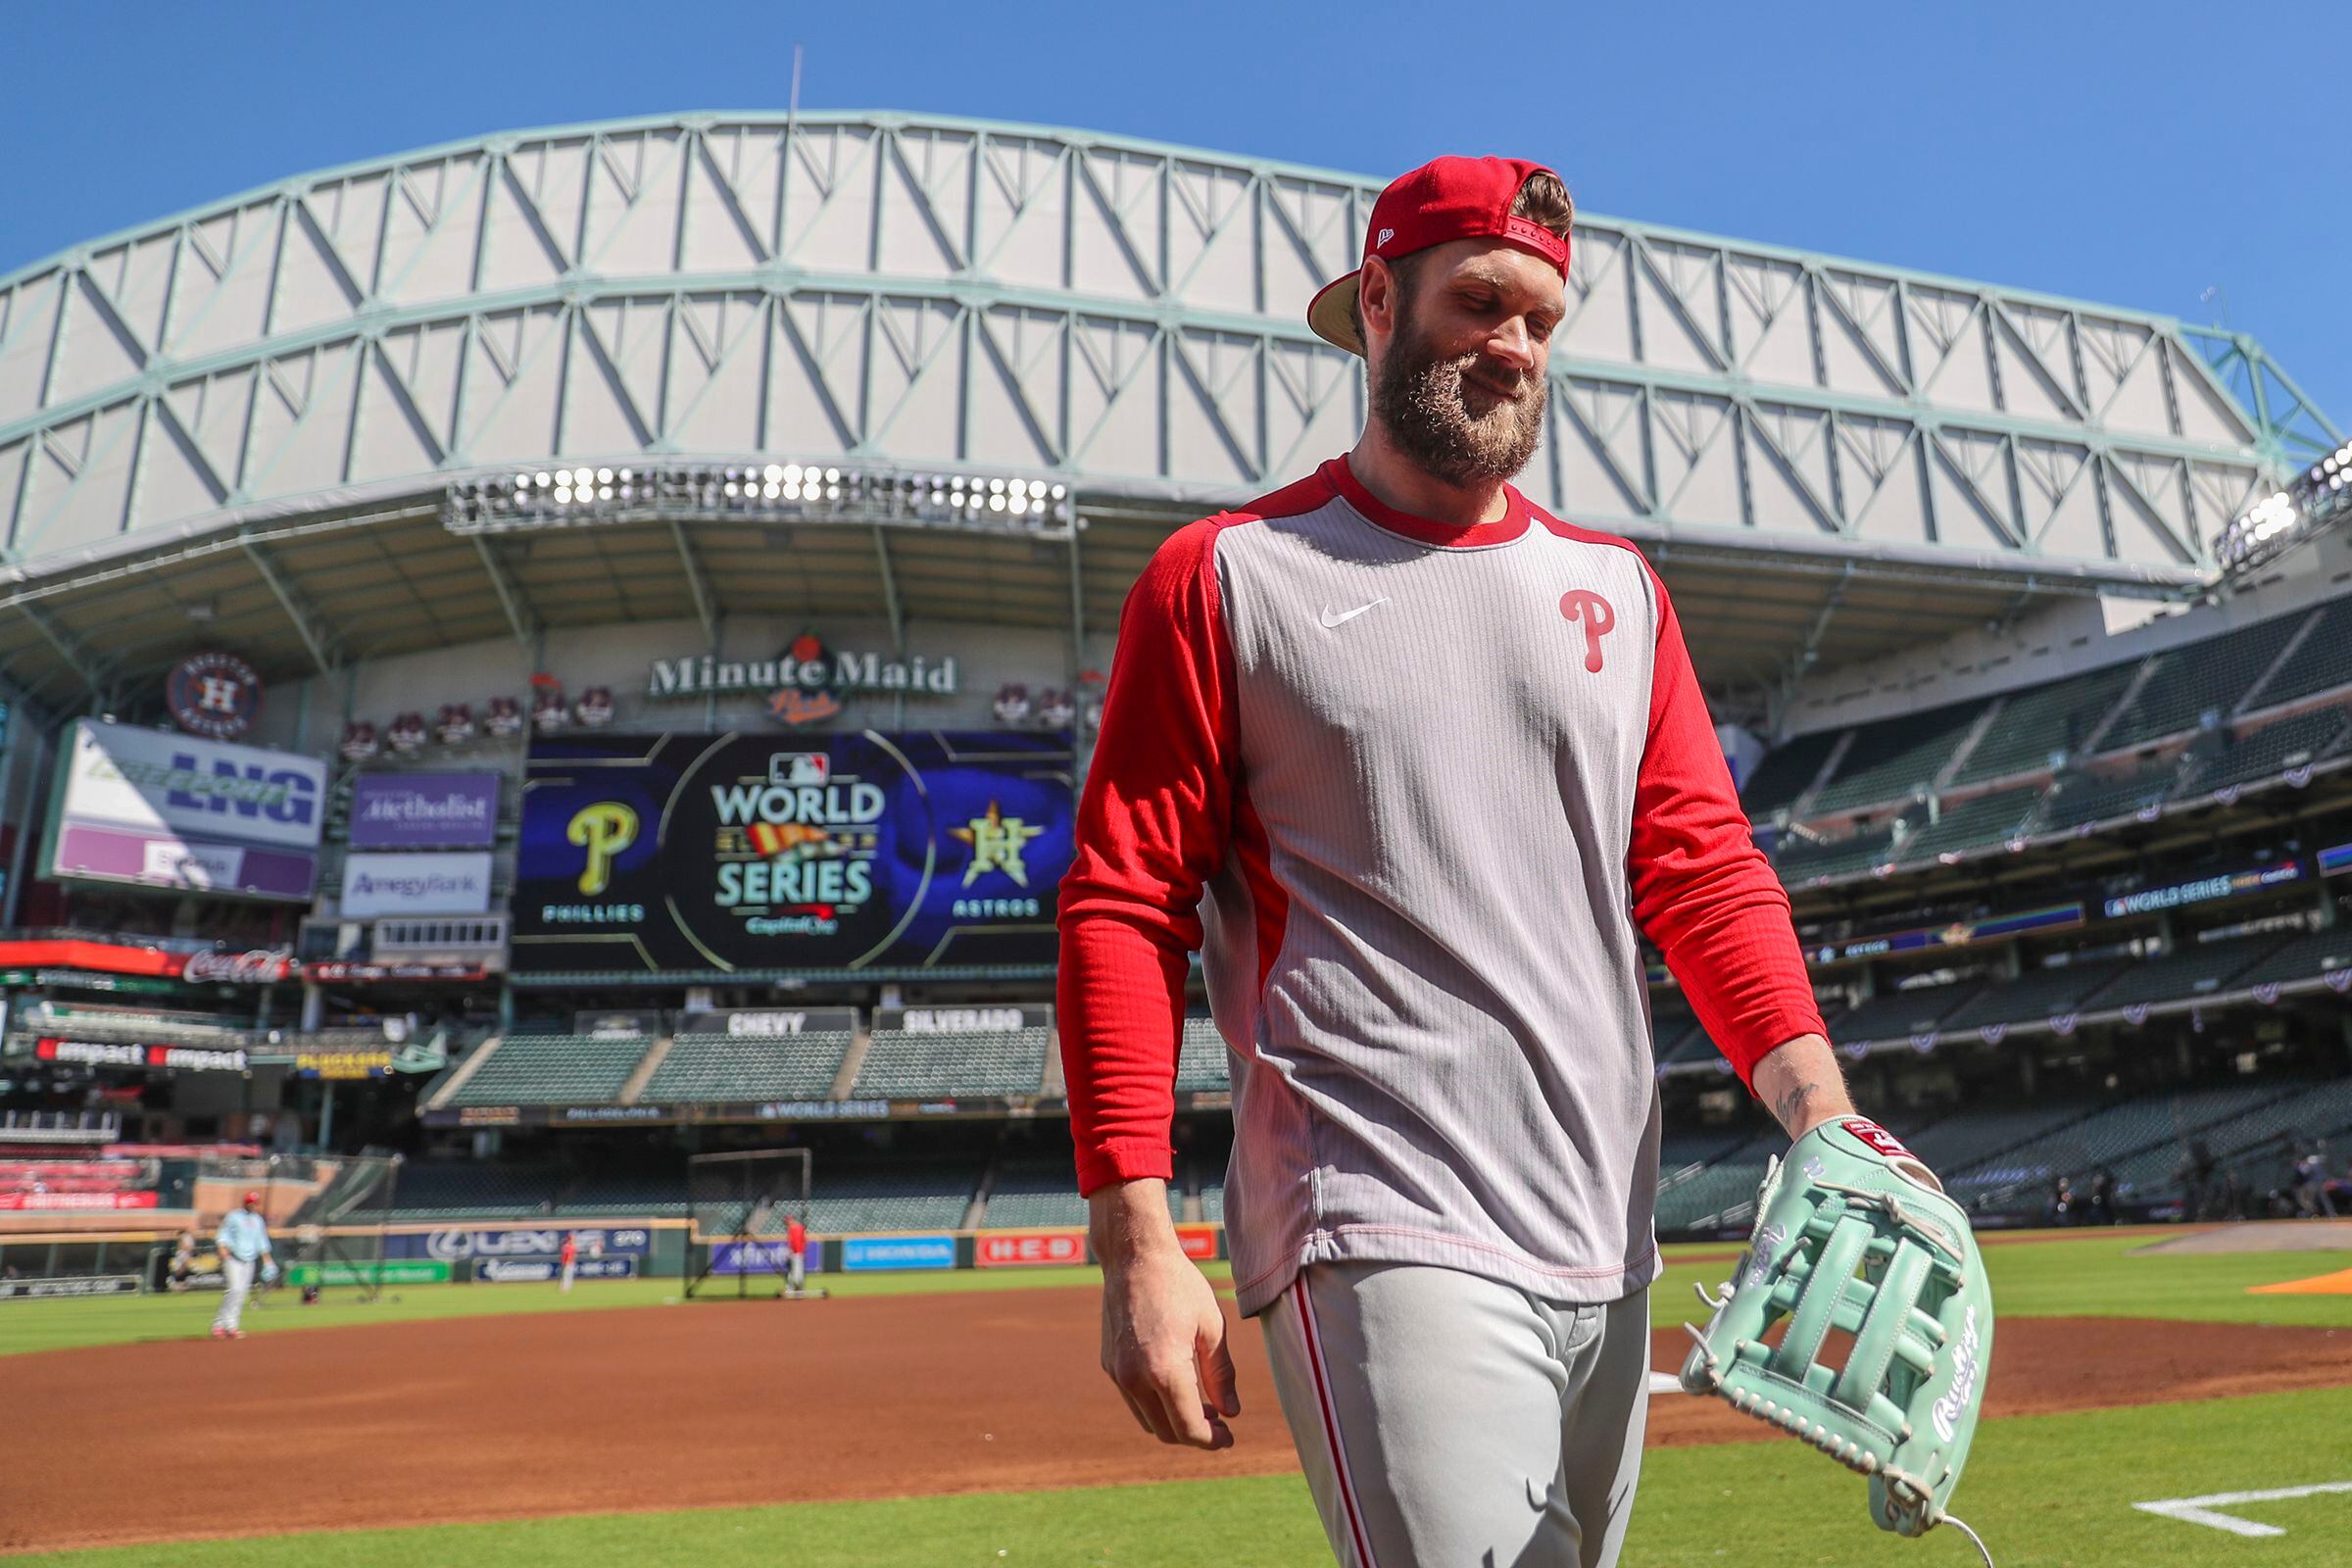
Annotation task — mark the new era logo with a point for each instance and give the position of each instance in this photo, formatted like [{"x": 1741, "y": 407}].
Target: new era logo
[{"x": 1386, "y": 235}]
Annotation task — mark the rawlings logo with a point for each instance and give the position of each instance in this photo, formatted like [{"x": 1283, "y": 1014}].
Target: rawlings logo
[
  {"x": 1945, "y": 1412},
  {"x": 1877, "y": 1136},
  {"x": 1764, "y": 1253}
]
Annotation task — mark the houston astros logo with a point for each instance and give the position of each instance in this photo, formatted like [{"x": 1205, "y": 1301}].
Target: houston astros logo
[{"x": 1591, "y": 611}]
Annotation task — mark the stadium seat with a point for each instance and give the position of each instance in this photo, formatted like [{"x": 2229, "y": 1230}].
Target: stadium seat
[
  {"x": 1783, "y": 776},
  {"x": 1896, "y": 759},
  {"x": 2103, "y": 1137},
  {"x": 2204, "y": 678},
  {"x": 1898, "y": 1014},
  {"x": 1801, "y": 861},
  {"x": 910, "y": 1065},
  {"x": 716, "y": 1068},
  {"x": 2052, "y": 719},
  {"x": 554, "y": 1070},
  {"x": 2088, "y": 798},
  {"x": 2271, "y": 750},
  {"x": 2035, "y": 995},
  {"x": 1201, "y": 1065},
  {"x": 2321, "y": 663},
  {"x": 1982, "y": 824},
  {"x": 2196, "y": 969},
  {"x": 897, "y": 1196},
  {"x": 2304, "y": 958}
]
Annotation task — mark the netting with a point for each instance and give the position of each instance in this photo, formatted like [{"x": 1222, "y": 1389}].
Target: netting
[{"x": 740, "y": 1206}]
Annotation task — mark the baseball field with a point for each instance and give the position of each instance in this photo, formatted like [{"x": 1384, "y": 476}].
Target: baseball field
[{"x": 958, "y": 1419}]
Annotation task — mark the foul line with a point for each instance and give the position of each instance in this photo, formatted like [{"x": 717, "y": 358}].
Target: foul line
[{"x": 2201, "y": 1511}]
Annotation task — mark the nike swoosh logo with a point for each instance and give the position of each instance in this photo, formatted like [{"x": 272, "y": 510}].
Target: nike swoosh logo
[{"x": 1330, "y": 620}]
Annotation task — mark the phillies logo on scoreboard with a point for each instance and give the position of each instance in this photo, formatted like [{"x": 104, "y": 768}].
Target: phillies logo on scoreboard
[{"x": 213, "y": 695}]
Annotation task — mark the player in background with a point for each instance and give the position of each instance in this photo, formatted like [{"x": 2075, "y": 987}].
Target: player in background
[
  {"x": 796, "y": 1245},
  {"x": 1414, "y": 765},
  {"x": 243, "y": 1243},
  {"x": 570, "y": 1256}
]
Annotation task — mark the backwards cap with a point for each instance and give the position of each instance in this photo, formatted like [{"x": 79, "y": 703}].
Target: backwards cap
[{"x": 1444, "y": 199}]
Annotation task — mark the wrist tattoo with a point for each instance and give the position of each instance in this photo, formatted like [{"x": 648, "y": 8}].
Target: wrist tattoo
[{"x": 1790, "y": 1103}]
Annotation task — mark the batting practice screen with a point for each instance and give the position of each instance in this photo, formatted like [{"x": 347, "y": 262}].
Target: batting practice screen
[{"x": 658, "y": 853}]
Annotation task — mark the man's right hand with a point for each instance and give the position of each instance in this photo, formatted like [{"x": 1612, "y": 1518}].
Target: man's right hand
[{"x": 1163, "y": 1332}]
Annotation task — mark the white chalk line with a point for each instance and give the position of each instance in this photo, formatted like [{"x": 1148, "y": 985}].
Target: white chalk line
[{"x": 2203, "y": 1510}]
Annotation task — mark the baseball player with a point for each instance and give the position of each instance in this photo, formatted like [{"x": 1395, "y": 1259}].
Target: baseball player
[
  {"x": 569, "y": 1254},
  {"x": 243, "y": 1243},
  {"x": 1415, "y": 764},
  {"x": 796, "y": 1247}
]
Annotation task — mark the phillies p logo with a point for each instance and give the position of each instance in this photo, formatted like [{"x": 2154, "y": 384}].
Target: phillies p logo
[{"x": 1591, "y": 611}]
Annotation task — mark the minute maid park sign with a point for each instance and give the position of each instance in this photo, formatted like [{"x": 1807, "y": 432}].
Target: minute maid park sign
[{"x": 802, "y": 680}]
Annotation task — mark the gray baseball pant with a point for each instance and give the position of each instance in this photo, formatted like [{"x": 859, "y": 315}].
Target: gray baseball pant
[{"x": 1444, "y": 1419}]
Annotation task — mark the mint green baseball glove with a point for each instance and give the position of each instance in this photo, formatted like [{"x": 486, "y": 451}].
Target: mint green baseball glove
[{"x": 1854, "y": 1233}]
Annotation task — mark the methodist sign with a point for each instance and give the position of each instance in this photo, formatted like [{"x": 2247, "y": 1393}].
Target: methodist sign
[
  {"x": 424, "y": 810},
  {"x": 175, "y": 811},
  {"x": 657, "y": 854}
]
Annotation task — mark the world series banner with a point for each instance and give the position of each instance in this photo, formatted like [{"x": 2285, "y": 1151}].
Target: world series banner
[{"x": 731, "y": 853}]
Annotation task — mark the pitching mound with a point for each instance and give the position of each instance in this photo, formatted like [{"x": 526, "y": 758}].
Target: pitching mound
[
  {"x": 2263, "y": 1236},
  {"x": 716, "y": 1404}
]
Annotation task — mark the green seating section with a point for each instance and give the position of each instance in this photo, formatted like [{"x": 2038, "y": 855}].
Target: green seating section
[
  {"x": 2089, "y": 798},
  {"x": 890, "y": 1198},
  {"x": 1896, "y": 759},
  {"x": 2103, "y": 1138},
  {"x": 2322, "y": 662},
  {"x": 1201, "y": 1064},
  {"x": 1898, "y": 1014},
  {"x": 1984, "y": 823},
  {"x": 2271, "y": 750},
  {"x": 2273, "y": 1127},
  {"x": 709, "y": 1068},
  {"x": 901, "y": 1065},
  {"x": 554, "y": 1070},
  {"x": 1798, "y": 861},
  {"x": 2054, "y": 719},
  {"x": 2304, "y": 958},
  {"x": 2035, "y": 995},
  {"x": 2211, "y": 676},
  {"x": 1783, "y": 775},
  {"x": 2196, "y": 969}
]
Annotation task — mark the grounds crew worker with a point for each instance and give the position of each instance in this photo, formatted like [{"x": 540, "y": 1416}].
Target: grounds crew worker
[
  {"x": 243, "y": 1243},
  {"x": 1438, "y": 762}
]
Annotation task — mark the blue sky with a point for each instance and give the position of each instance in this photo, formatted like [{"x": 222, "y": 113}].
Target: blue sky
[{"x": 2129, "y": 154}]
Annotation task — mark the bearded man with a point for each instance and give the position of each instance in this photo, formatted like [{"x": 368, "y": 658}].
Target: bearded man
[{"x": 1415, "y": 764}]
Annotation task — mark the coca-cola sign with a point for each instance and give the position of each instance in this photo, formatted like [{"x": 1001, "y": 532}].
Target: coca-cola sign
[{"x": 258, "y": 967}]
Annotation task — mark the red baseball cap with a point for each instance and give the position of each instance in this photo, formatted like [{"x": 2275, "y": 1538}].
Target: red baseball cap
[
  {"x": 1445, "y": 198},
  {"x": 252, "y": 1197}
]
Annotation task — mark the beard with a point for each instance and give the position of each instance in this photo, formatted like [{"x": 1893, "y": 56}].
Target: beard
[{"x": 1452, "y": 429}]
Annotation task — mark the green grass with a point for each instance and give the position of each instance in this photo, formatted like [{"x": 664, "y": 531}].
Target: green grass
[
  {"x": 27, "y": 1326},
  {"x": 2095, "y": 1276},
  {"x": 2046, "y": 1491},
  {"x": 2085, "y": 1276}
]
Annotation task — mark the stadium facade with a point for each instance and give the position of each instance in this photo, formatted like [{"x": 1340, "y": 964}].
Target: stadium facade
[{"x": 664, "y": 570}]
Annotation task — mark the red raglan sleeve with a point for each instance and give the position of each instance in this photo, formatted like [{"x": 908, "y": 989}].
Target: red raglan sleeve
[
  {"x": 1153, "y": 826},
  {"x": 1702, "y": 891}
]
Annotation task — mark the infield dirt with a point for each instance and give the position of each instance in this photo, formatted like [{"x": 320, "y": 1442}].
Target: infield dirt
[{"x": 723, "y": 1404}]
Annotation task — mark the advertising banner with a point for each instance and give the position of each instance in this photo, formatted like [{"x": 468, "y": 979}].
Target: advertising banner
[
  {"x": 515, "y": 1241},
  {"x": 75, "y": 1285},
  {"x": 343, "y": 1064},
  {"x": 660, "y": 853},
  {"x": 108, "y": 1054},
  {"x": 2204, "y": 889},
  {"x": 1030, "y": 1251},
  {"x": 1001, "y": 1019},
  {"x": 768, "y": 1022},
  {"x": 408, "y": 1271},
  {"x": 750, "y": 1257},
  {"x": 874, "y": 1253},
  {"x": 1200, "y": 1242},
  {"x": 424, "y": 810},
  {"x": 545, "y": 1270},
  {"x": 154, "y": 810},
  {"x": 75, "y": 1202},
  {"x": 415, "y": 884}
]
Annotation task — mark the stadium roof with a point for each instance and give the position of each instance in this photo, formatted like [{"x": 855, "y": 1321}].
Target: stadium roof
[{"x": 239, "y": 425}]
